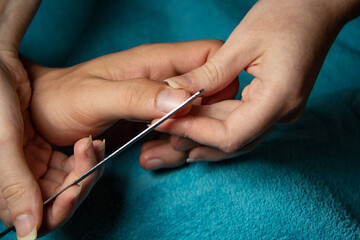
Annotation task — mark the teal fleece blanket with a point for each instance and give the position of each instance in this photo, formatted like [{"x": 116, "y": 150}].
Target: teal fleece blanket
[{"x": 302, "y": 182}]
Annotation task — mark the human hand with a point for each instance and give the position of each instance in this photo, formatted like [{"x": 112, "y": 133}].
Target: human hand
[
  {"x": 30, "y": 171},
  {"x": 70, "y": 103},
  {"x": 283, "y": 44}
]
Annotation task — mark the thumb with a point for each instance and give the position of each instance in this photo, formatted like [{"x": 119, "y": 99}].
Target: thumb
[
  {"x": 215, "y": 75},
  {"x": 135, "y": 99},
  {"x": 20, "y": 192}
]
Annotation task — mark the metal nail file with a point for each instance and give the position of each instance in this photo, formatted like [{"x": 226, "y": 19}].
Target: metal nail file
[{"x": 118, "y": 151}]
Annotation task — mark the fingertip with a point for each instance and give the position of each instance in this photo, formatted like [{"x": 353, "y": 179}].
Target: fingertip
[
  {"x": 161, "y": 155},
  {"x": 144, "y": 157},
  {"x": 85, "y": 155},
  {"x": 168, "y": 99},
  {"x": 149, "y": 153}
]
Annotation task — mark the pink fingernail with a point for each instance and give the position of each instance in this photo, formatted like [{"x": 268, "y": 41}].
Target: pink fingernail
[
  {"x": 25, "y": 227},
  {"x": 168, "y": 99},
  {"x": 154, "y": 164}
]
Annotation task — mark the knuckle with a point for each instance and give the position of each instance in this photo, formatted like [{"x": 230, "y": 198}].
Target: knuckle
[
  {"x": 14, "y": 191},
  {"x": 230, "y": 147},
  {"x": 215, "y": 45},
  {"x": 211, "y": 73},
  {"x": 133, "y": 96},
  {"x": 229, "y": 142}
]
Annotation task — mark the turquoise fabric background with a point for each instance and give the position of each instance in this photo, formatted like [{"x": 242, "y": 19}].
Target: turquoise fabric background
[{"x": 302, "y": 182}]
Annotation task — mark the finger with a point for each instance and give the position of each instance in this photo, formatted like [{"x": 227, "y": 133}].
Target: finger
[
  {"x": 86, "y": 153},
  {"x": 216, "y": 73},
  {"x": 85, "y": 157},
  {"x": 197, "y": 152},
  {"x": 170, "y": 157},
  {"x": 17, "y": 184},
  {"x": 260, "y": 108},
  {"x": 137, "y": 98},
  {"x": 229, "y": 92},
  {"x": 61, "y": 162},
  {"x": 160, "y": 154},
  {"x": 20, "y": 191},
  {"x": 154, "y": 61},
  {"x": 205, "y": 153},
  {"x": 182, "y": 144}
]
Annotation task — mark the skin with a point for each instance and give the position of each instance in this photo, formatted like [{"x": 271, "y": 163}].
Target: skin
[
  {"x": 80, "y": 100},
  {"x": 281, "y": 43},
  {"x": 30, "y": 171},
  {"x": 90, "y": 97},
  {"x": 84, "y": 99}
]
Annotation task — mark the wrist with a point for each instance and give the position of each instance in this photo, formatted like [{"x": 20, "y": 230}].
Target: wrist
[
  {"x": 343, "y": 11},
  {"x": 15, "y": 17}
]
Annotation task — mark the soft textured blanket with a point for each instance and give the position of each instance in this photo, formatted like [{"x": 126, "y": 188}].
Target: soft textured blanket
[{"x": 302, "y": 182}]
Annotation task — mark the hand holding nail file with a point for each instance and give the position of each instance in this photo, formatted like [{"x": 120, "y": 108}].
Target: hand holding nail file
[{"x": 118, "y": 151}]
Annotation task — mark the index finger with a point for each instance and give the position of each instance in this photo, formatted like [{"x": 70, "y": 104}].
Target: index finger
[
  {"x": 239, "y": 122},
  {"x": 155, "y": 61}
]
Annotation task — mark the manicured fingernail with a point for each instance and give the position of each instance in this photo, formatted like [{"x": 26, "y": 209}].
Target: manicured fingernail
[
  {"x": 88, "y": 146},
  {"x": 168, "y": 99},
  {"x": 78, "y": 191},
  {"x": 102, "y": 150},
  {"x": 172, "y": 84},
  {"x": 154, "y": 164},
  {"x": 25, "y": 227},
  {"x": 183, "y": 79}
]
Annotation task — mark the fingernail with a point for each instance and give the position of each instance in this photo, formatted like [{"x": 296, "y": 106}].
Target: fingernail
[
  {"x": 191, "y": 160},
  {"x": 184, "y": 79},
  {"x": 88, "y": 146},
  {"x": 25, "y": 227},
  {"x": 172, "y": 84},
  {"x": 154, "y": 164},
  {"x": 78, "y": 191},
  {"x": 168, "y": 99},
  {"x": 102, "y": 150}
]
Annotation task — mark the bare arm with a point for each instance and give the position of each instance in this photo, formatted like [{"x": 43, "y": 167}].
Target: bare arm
[{"x": 15, "y": 17}]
